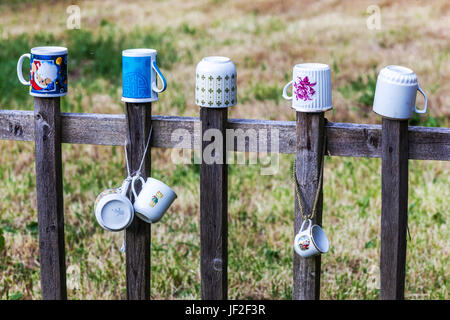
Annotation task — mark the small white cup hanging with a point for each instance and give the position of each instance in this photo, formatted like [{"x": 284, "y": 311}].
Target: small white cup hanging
[
  {"x": 153, "y": 200},
  {"x": 215, "y": 83},
  {"x": 395, "y": 93},
  {"x": 311, "y": 87},
  {"x": 310, "y": 241},
  {"x": 113, "y": 210}
]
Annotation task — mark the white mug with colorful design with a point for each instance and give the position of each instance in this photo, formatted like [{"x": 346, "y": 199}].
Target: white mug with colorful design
[
  {"x": 215, "y": 83},
  {"x": 310, "y": 241},
  {"x": 48, "y": 71},
  {"x": 153, "y": 200},
  {"x": 311, "y": 88}
]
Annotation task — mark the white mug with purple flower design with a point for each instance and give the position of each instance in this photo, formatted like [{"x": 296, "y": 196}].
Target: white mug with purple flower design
[{"x": 311, "y": 87}]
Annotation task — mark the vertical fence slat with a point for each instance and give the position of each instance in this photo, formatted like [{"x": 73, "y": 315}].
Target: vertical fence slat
[
  {"x": 394, "y": 208},
  {"x": 310, "y": 139},
  {"x": 213, "y": 212},
  {"x": 139, "y": 117},
  {"x": 49, "y": 186}
]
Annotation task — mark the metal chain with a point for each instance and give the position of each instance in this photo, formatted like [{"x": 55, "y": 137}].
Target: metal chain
[{"x": 297, "y": 189}]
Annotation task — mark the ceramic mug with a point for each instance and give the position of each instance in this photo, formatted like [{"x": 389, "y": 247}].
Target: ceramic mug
[
  {"x": 311, "y": 87},
  {"x": 139, "y": 72},
  {"x": 48, "y": 71},
  {"x": 215, "y": 83},
  {"x": 395, "y": 93},
  {"x": 153, "y": 200},
  {"x": 310, "y": 241},
  {"x": 113, "y": 210}
]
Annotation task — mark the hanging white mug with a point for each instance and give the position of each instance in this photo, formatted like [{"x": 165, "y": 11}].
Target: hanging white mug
[
  {"x": 153, "y": 200},
  {"x": 310, "y": 241},
  {"x": 113, "y": 210}
]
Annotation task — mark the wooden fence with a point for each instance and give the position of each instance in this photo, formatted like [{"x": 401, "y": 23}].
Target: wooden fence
[{"x": 393, "y": 141}]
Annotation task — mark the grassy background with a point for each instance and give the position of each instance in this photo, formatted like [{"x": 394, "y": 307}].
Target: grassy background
[{"x": 265, "y": 38}]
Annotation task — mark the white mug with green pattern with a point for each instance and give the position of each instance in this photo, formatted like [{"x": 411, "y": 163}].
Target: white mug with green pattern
[{"x": 215, "y": 83}]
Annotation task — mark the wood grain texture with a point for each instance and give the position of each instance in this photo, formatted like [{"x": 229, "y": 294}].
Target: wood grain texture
[
  {"x": 344, "y": 139},
  {"x": 138, "y": 116},
  {"x": 309, "y": 157},
  {"x": 50, "y": 206},
  {"x": 394, "y": 208},
  {"x": 214, "y": 212}
]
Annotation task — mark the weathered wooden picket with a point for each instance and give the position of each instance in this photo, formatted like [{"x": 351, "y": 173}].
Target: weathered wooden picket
[{"x": 393, "y": 141}]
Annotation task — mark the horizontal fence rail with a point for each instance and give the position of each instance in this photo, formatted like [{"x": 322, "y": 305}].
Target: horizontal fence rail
[{"x": 343, "y": 139}]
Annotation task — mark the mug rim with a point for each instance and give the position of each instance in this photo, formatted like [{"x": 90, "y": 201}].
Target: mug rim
[
  {"x": 127, "y": 99},
  {"x": 158, "y": 181},
  {"x": 138, "y": 52},
  {"x": 314, "y": 242},
  {"x": 216, "y": 59},
  {"x": 143, "y": 216},
  {"x": 49, "y": 50},
  {"x": 399, "y": 69},
  {"x": 312, "y": 66},
  {"x": 389, "y": 117},
  {"x": 47, "y": 95}
]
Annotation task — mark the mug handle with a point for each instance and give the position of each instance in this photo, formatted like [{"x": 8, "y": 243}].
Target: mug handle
[
  {"x": 132, "y": 185},
  {"x": 161, "y": 76},
  {"x": 285, "y": 90},
  {"x": 19, "y": 68},
  {"x": 125, "y": 186},
  {"x": 426, "y": 101},
  {"x": 303, "y": 224}
]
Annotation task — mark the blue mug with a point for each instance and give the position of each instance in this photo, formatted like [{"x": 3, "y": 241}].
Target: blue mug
[
  {"x": 139, "y": 72},
  {"x": 48, "y": 71}
]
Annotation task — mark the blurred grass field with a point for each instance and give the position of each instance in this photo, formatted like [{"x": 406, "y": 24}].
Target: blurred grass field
[{"x": 264, "y": 38}]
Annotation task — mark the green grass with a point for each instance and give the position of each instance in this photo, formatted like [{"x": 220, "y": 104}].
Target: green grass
[
  {"x": 261, "y": 91},
  {"x": 260, "y": 230},
  {"x": 362, "y": 89}
]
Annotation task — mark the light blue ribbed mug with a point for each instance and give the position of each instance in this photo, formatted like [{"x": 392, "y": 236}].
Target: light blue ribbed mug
[
  {"x": 395, "y": 93},
  {"x": 139, "y": 72}
]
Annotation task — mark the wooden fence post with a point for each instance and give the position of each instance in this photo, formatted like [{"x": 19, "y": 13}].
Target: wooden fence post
[
  {"x": 310, "y": 139},
  {"x": 394, "y": 208},
  {"x": 49, "y": 186},
  {"x": 139, "y": 118},
  {"x": 213, "y": 211}
]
